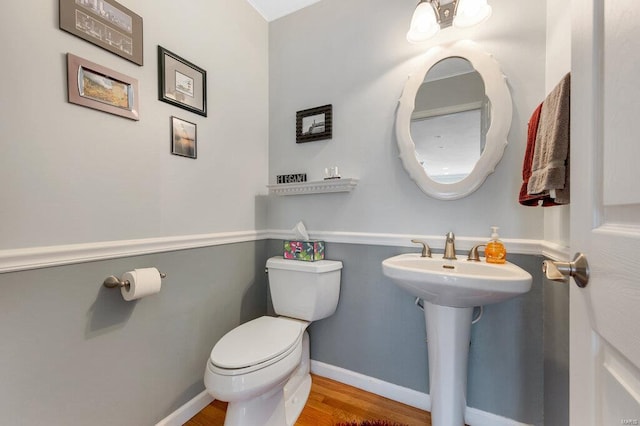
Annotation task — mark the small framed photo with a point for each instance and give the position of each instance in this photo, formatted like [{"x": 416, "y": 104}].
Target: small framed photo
[
  {"x": 181, "y": 83},
  {"x": 314, "y": 124},
  {"x": 94, "y": 86},
  {"x": 105, "y": 23},
  {"x": 184, "y": 138}
]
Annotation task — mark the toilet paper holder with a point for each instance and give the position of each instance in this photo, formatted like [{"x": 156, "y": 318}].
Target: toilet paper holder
[{"x": 114, "y": 282}]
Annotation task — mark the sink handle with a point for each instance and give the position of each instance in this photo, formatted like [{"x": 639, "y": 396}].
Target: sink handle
[
  {"x": 426, "y": 250},
  {"x": 473, "y": 253}
]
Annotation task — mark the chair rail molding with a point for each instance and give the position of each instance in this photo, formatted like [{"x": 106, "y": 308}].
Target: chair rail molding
[{"x": 14, "y": 260}]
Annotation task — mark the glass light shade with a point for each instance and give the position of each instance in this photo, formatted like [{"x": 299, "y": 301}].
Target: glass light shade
[
  {"x": 424, "y": 24},
  {"x": 471, "y": 12}
]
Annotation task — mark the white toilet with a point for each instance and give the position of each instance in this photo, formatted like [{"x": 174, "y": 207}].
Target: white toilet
[{"x": 262, "y": 367}]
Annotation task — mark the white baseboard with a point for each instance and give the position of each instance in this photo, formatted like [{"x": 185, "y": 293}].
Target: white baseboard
[
  {"x": 475, "y": 417},
  {"x": 187, "y": 411},
  {"x": 407, "y": 396},
  {"x": 371, "y": 384}
]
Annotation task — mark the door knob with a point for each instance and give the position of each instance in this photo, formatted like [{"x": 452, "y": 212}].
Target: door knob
[{"x": 561, "y": 271}]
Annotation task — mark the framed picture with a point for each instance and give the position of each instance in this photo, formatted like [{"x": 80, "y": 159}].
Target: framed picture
[
  {"x": 184, "y": 138},
  {"x": 105, "y": 23},
  {"x": 314, "y": 124},
  {"x": 181, "y": 83},
  {"x": 101, "y": 88}
]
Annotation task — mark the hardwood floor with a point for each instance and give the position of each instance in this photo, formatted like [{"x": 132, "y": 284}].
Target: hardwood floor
[{"x": 331, "y": 402}]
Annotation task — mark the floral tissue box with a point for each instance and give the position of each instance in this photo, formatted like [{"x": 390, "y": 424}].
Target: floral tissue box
[{"x": 304, "y": 250}]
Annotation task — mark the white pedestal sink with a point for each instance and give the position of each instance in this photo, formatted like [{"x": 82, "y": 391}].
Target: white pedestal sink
[{"x": 450, "y": 289}]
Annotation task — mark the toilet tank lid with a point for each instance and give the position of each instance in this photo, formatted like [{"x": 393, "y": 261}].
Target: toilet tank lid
[{"x": 278, "y": 262}]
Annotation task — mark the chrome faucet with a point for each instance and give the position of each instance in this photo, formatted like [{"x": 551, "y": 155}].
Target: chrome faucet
[{"x": 450, "y": 247}]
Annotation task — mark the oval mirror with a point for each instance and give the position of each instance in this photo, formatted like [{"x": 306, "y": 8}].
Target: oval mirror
[{"x": 453, "y": 120}]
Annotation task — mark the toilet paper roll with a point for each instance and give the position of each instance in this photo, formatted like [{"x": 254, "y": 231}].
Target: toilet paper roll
[{"x": 142, "y": 282}]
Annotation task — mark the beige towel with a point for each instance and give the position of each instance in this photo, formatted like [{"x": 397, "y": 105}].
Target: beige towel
[{"x": 550, "y": 166}]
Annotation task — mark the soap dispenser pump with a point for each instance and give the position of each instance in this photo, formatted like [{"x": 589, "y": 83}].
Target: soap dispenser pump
[{"x": 495, "y": 251}]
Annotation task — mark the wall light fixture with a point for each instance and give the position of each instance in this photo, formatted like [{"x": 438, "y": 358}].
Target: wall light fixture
[{"x": 431, "y": 16}]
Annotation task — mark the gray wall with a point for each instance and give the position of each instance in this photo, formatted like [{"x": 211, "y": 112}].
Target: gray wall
[
  {"x": 556, "y": 353},
  {"x": 556, "y": 229},
  {"x": 63, "y": 337},
  {"x": 354, "y": 55},
  {"x": 74, "y": 175},
  {"x": 556, "y": 219},
  {"x": 75, "y": 353},
  {"x": 379, "y": 332},
  {"x": 100, "y": 177}
]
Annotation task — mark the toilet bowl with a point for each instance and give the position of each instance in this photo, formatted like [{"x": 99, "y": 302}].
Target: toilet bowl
[
  {"x": 250, "y": 366},
  {"x": 261, "y": 368}
]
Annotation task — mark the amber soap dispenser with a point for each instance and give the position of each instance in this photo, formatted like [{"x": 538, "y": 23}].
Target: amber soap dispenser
[{"x": 495, "y": 251}]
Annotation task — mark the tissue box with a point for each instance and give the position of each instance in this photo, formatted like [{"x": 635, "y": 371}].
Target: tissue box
[{"x": 304, "y": 250}]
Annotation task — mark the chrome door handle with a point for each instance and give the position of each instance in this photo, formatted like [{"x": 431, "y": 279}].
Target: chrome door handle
[{"x": 561, "y": 271}]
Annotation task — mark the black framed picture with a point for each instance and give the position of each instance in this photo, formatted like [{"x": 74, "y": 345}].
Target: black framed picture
[
  {"x": 314, "y": 124},
  {"x": 184, "y": 138},
  {"x": 181, "y": 83}
]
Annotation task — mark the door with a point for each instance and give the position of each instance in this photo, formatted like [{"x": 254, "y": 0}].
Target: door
[{"x": 605, "y": 212}]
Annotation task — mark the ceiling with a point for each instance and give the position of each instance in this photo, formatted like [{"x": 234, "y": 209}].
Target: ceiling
[{"x": 274, "y": 9}]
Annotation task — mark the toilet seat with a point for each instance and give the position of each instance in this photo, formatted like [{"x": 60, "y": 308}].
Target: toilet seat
[{"x": 255, "y": 345}]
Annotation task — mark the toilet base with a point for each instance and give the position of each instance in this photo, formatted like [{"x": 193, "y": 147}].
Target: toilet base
[
  {"x": 279, "y": 407},
  {"x": 265, "y": 410},
  {"x": 297, "y": 389}
]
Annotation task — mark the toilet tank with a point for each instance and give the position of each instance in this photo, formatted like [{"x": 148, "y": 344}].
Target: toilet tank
[{"x": 304, "y": 290}]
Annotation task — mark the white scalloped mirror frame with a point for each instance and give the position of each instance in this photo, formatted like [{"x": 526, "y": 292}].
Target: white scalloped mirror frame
[{"x": 496, "y": 139}]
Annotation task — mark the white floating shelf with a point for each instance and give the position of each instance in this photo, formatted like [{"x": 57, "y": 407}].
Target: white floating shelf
[{"x": 317, "y": 187}]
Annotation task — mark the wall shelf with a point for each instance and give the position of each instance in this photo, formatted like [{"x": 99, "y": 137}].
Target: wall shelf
[{"x": 316, "y": 187}]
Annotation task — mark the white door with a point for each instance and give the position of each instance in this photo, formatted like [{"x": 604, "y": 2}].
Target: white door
[{"x": 605, "y": 212}]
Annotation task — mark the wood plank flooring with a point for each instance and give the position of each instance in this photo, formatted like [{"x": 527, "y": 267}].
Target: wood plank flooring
[{"x": 331, "y": 402}]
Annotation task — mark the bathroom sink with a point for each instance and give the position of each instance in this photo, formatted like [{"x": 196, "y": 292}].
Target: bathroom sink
[
  {"x": 457, "y": 283},
  {"x": 450, "y": 289}
]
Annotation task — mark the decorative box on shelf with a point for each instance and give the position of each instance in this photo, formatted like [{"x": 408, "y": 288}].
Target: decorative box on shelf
[{"x": 316, "y": 187}]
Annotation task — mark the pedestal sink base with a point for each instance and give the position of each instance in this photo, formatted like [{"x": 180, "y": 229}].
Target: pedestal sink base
[
  {"x": 448, "y": 337},
  {"x": 441, "y": 284}
]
